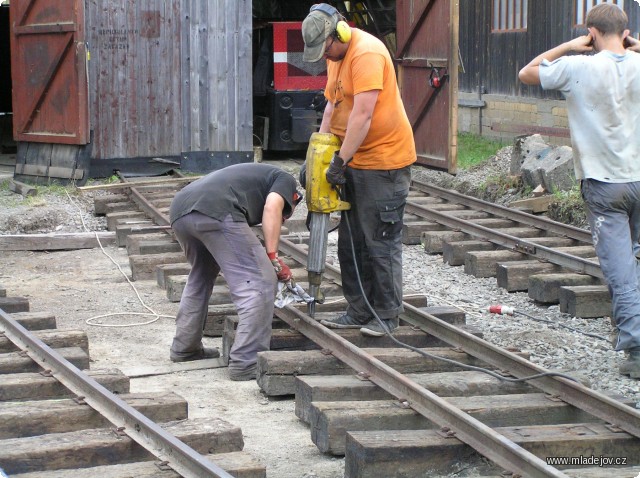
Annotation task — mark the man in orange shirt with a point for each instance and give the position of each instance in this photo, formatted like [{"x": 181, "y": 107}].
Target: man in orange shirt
[{"x": 373, "y": 165}]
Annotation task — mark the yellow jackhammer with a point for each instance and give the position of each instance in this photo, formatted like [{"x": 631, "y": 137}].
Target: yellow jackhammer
[{"x": 322, "y": 200}]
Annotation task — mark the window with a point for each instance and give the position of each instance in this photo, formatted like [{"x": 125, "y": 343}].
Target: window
[
  {"x": 583, "y": 7},
  {"x": 509, "y": 15}
]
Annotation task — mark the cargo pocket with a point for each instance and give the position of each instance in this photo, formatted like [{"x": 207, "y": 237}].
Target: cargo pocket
[{"x": 390, "y": 212}]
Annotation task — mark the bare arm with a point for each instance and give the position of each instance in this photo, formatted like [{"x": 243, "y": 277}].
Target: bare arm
[
  {"x": 326, "y": 118},
  {"x": 359, "y": 122},
  {"x": 272, "y": 221},
  {"x": 530, "y": 74}
]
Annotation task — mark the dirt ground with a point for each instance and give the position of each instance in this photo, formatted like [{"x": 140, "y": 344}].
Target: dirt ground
[{"x": 80, "y": 285}]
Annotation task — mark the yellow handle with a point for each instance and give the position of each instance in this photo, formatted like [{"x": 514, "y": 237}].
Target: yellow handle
[{"x": 322, "y": 196}]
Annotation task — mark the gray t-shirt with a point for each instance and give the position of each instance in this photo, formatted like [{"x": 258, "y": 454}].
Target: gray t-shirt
[
  {"x": 603, "y": 101},
  {"x": 240, "y": 190}
]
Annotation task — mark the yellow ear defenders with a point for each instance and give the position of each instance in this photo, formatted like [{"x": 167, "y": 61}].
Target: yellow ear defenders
[{"x": 342, "y": 31}]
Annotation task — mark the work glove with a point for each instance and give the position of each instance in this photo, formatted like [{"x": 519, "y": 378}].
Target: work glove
[
  {"x": 335, "y": 172},
  {"x": 302, "y": 175},
  {"x": 282, "y": 270}
]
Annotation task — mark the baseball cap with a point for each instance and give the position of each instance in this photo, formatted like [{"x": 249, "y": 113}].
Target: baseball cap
[{"x": 316, "y": 28}]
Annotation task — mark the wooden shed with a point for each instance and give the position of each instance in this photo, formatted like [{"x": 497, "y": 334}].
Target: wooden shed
[
  {"x": 499, "y": 37},
  {"x": 130, "y": 85}
]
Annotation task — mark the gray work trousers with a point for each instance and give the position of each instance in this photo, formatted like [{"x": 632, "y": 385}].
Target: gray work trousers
[
  {"x": 212, "y": 246},
  {"x": 613, "y": 212},
  {"x": 377, "y": 200}
]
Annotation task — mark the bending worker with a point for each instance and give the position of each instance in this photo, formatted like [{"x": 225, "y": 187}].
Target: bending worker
[
  {"x": 373, "y": 165},
  {"x": 212, "y": 219},
  {"x": 603, "y": 102}
]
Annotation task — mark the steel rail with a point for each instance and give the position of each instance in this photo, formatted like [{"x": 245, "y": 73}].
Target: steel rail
[
  {"x": 524, "y": 246},
  {"x": 146, "y": 206},
  {"x": 574, "y": 393},
  {"x": 505, "y": 212},
  {"x": 182, "y": 458},
  {"x": 482, "y": 438}
]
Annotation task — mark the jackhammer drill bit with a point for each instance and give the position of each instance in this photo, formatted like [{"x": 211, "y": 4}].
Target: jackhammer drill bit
[{"x": 319, "y": 230}]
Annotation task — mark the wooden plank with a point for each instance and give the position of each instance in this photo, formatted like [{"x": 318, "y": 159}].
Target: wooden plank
[
  {"x": 238, "y": 464},
  {"x": 35, "y": 320},
  {"x": 278, "y": 370},
  {"x": 330, "y": 421},
  {"x": 585, "y": 301},
  {"x": 485, "y": 263},
  {"x": 134, "y": 184},
  {"x": 14, "y": 304},
  {"x": 163, "y": 271},
  {"x": 545, "y": 288},
  {"x": 36, "y": 386},
  {"x": 514, "y": 276},
  {"x": 143, "y": 267},
  {"x": 159, "y": 247},
  {"x": 535, "y": 205},
  {"x": 22, "y": 188},
  {"x": 100, "y": 202},
  {"x": 96, "y": 447},
  {"x": 454, "y": 252},
  {"x": 124, "y": 216},
  {"x": 39, "y": 417},
  {"x": 381, "y": 454},
  {"x": 133, "y": 241},
  {"x": 124, "y": 230},
  {"x": 49, "y": 171},
  {"x": 53, "y": 338},
  {"x": 19, "y": 362},
  {"x": 333, "y": 388},
  {"x": 55, "y": 241}
]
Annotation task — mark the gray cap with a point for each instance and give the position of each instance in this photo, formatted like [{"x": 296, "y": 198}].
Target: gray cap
[{"x": 316, "y": 28}]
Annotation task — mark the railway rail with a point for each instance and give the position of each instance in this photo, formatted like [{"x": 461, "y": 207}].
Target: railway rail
[{"x": 416, "y": 415}]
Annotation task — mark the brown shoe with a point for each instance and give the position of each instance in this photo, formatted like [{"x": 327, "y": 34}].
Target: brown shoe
[
  {"x": 203, "y": 353},
  {"x": 631, "y": 366}
]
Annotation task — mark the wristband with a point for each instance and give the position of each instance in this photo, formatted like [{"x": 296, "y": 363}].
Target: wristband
[{"x": 272, "y": 255}]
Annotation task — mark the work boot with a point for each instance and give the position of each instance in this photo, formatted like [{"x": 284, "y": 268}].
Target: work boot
[
  {"x": 631, "y": 366},
  {"x": 203, "y": 353},
  {"x": 375, "y": 329},
  {"x": 243, "y": 375},
  {"x": 343, "y": 322}
]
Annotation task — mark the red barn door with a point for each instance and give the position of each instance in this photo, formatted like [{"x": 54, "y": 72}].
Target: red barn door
[
  {"x": 427, "y": 56},
  {"x": 49, "y": 71}
]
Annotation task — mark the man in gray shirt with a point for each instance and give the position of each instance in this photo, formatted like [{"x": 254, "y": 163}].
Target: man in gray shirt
[
  {"x": 603, "y": 103},
  {"x": 212, "y": 219}
]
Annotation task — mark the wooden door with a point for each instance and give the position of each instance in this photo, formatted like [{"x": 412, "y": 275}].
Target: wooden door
[
  {"x": 427, "y": 59},
  {"x": 49, "y": 71}
]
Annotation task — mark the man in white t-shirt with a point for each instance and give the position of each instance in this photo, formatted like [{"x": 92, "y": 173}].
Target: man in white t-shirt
[{"x": 603, "y": 102}]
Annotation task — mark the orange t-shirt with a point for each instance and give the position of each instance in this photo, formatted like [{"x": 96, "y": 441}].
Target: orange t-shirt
[{"x": 367, "y": 66}]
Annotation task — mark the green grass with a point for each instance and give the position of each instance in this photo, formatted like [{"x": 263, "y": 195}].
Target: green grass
[{"x": 474, "y": 149}]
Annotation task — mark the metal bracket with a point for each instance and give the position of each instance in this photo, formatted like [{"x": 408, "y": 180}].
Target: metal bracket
[
  {"x": 46, "y": 373},
  {"x": 326, "y": 352},
  {"x": 446, "y": 432},
  {"x": 526, "y": 248},
  {"x": 364, "y": 376},
  {"x": 163, "y": 465},
  {"x": 614, "y": 428},
  {"x": 79, "y": 400},
  {"x": 119, "y": 431}
]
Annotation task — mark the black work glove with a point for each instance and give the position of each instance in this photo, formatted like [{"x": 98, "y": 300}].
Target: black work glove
[
  {"x": 335, "y": 172},
  {"x": 302, "y": 175}
]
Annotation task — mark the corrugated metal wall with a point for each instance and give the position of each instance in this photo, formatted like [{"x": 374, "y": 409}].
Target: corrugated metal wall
[
  {"x": 169, "y": 76},
  {"x": 492, "y": 60}
]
